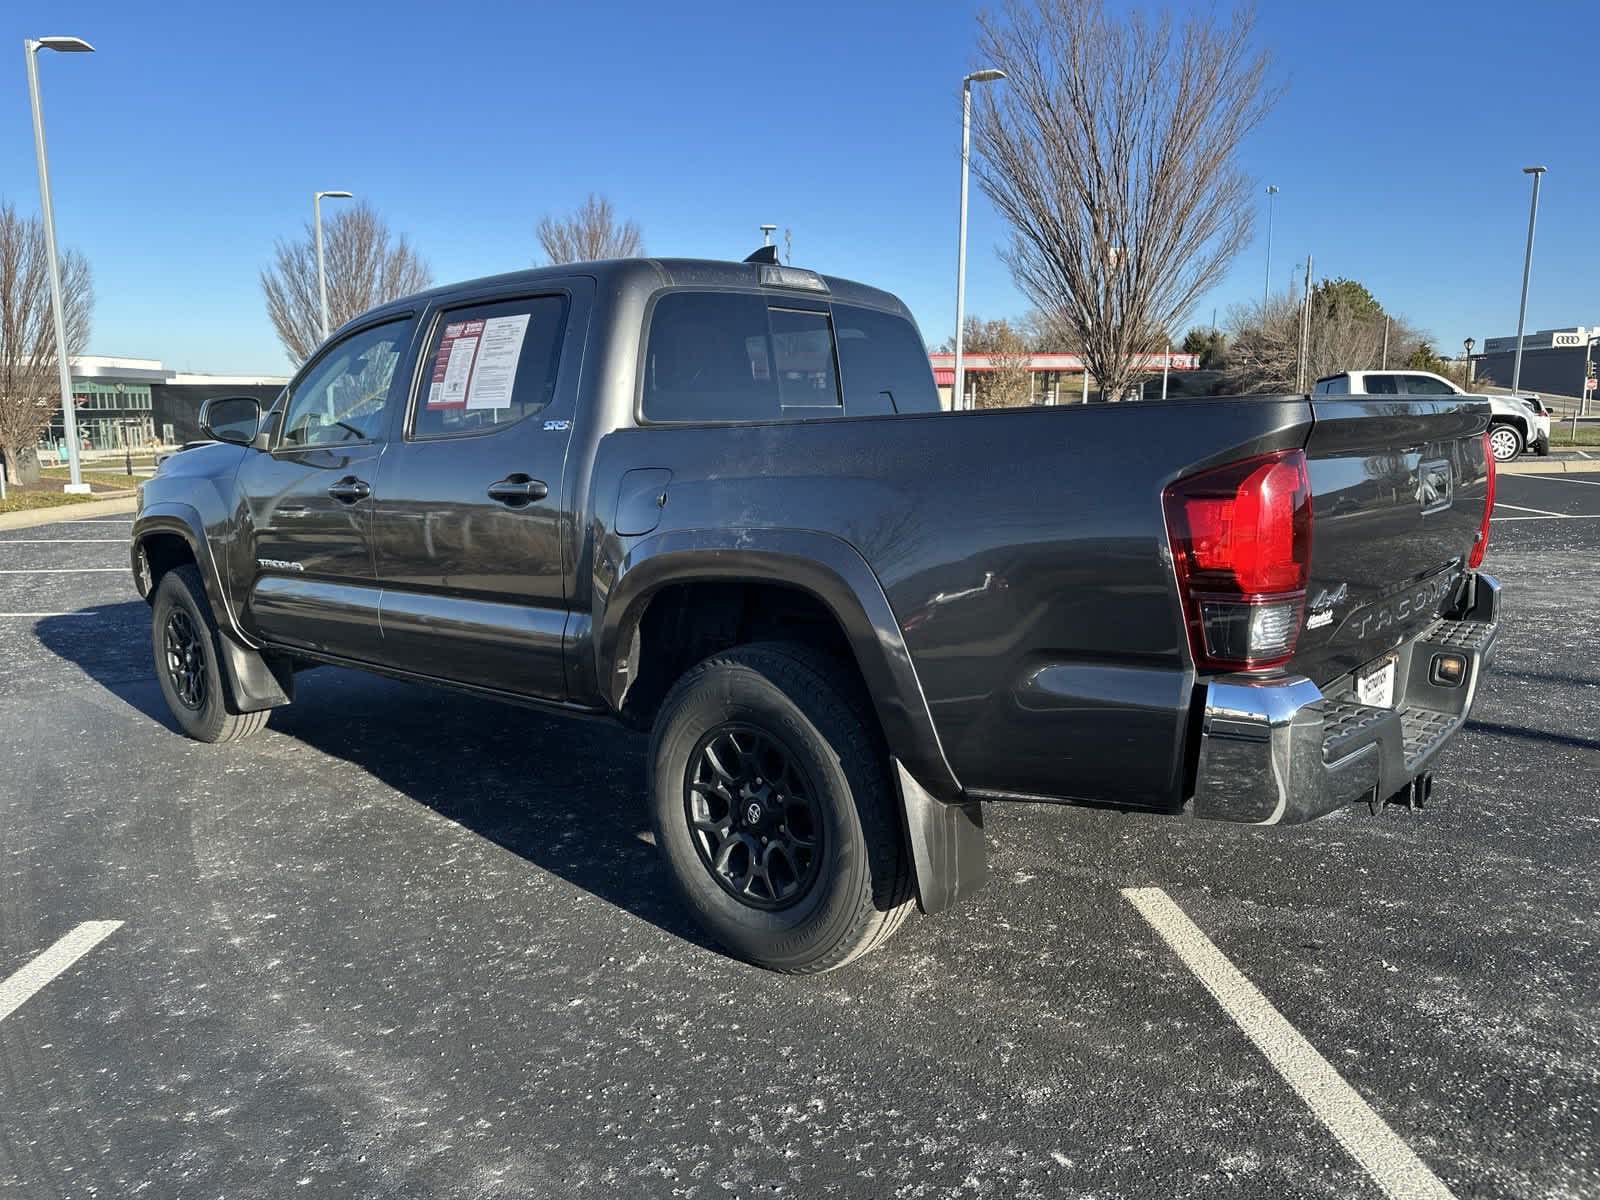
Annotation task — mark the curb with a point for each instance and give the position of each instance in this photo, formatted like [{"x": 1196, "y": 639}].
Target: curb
[
  {"x": 1547, "y": 466},
  {"x": 56, "y": 513}
]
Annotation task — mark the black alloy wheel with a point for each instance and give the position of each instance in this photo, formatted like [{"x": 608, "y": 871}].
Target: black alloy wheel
[
  {"x": 185, "y": 658},
  {"x": 754, "y": 816}
]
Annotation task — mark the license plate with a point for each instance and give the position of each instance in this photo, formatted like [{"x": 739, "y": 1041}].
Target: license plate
[{"x": 1375, "y": 685}]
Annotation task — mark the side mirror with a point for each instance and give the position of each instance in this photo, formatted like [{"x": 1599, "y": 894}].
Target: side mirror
[{"x": 231, "y": 419}]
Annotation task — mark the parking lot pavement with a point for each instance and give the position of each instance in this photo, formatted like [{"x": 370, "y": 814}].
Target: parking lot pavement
[{"x": 407, "y": 942}]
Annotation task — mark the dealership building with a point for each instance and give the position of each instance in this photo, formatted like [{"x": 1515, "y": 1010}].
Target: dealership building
[
  {"x": 1053, "y": 378},
  {"x": 1552, "y": 359},
  {"x": 135, "y": 402}
]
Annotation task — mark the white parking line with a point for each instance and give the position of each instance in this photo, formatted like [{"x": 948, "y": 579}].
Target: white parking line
[
  {"x": 15, "y": 991},
  {"x": 43, "y": 614},
  {"x": 1552, "y": 517},
  {"x": 61, "y": 570},
  {"x": 1563, "y": 479},
  {"x": 1363, "y": 1133},
  {"x": 1543, "y": 512},
  {"x": 5, "y": 541}
]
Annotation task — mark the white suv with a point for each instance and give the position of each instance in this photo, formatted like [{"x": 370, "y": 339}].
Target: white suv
[{"x": 1515, "y": 425}]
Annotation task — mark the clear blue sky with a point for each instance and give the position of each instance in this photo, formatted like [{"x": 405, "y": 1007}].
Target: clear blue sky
[{"x": 197, "y": 134}]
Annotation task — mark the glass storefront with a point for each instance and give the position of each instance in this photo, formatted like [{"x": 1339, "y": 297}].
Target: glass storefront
[{"x": 110, "y": 416}]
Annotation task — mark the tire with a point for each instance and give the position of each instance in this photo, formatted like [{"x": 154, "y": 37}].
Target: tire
[
  {"x": 1505, "y": 442},
  {"x": 780, "y": 703},
  {"x": 183, "y": 629},
  {"x": 1541, "y": 447}
]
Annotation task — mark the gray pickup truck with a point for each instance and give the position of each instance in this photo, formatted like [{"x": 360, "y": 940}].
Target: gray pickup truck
[{"x": 719, "y": 502}]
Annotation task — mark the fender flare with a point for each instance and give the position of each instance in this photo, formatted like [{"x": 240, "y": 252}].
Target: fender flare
[
  {"x": 826, "y": 567},
  {"x": 256, "y": 680},
  {"x": 944, "y": 828},
  {"x": 184, "y": 520}
]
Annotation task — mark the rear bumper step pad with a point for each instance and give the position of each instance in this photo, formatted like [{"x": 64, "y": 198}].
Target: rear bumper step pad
[{"x": 1281, "y": 751}]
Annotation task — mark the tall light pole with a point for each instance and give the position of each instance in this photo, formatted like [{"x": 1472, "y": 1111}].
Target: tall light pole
[
  {"x": 1266, "y": 287},
  {"x": 1527, "y": 262},
  {"x": 987, "y": 75},
  {"x": 69, "y": 421},
  {"x": 322, "y": 278},
  {"x": 1467, "y": 344}
]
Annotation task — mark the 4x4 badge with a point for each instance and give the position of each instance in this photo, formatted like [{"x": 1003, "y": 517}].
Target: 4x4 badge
[{"x": 1322, "y": 607}]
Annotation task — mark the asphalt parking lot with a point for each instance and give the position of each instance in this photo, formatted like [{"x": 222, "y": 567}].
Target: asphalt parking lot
[{"x": 410, "y": 943}]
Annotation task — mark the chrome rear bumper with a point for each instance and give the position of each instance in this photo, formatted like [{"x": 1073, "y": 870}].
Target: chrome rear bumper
[{"x": 1280, "y": 751}]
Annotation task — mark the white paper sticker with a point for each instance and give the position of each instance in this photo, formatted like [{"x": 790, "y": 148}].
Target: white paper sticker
[
  {"x": 495, "y": 369},
  {"x": 453, "y": 387}
]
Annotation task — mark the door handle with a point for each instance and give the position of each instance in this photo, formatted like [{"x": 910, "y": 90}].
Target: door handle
[
  {"x": 518, "y": 490},
  {"x": 349, "y": 490}
]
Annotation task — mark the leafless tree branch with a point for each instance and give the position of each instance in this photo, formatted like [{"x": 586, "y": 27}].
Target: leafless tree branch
[
  {"x": 590, "y": 233},
  {"x": 29, "y": 376},
  {"x": 1111, "y": 150},
  {"x": 365, "y": 267}
]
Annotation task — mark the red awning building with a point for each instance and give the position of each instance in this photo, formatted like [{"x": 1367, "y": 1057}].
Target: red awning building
[{"x": 1048, "y": 371}]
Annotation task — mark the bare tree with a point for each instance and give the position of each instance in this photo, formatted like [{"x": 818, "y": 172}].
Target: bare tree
[
  {"x": 1112, "y": 151},
  {"x": 1264, "y": 353},
  {"x": 365, "y": 267},
  {"x": 590, "y": 233},
  {"x": 1008, "y": 383},
  {"x": 30, "y": 388}
]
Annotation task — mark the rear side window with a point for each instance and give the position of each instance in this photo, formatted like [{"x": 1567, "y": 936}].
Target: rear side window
[
  {"x": 488, "y": 366},
  {"x": 1379, "y": 385},
  {"x": 1424, "y": 385},
  {"x": 884, "y": 362},
  {"x": 729, "y": 356}
]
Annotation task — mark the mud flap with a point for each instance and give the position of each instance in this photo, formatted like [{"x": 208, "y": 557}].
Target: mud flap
[
  {"x": 947, "y": 846},
  {"x": 255, "y": 680}
]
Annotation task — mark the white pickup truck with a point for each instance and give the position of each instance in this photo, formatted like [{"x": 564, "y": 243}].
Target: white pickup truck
[{"x": 1515, "y": 424}]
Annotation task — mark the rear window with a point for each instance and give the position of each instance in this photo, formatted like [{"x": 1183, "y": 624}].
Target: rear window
[
  {"x": 802, "y": 351},
  {"x": 729, "y": 356},
  {"x": 884, "y": 362},
  {"x": 1338, "y": 385}
]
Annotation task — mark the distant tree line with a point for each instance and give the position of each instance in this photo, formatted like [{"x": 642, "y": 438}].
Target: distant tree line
[{"x": 1346, "y": 329}]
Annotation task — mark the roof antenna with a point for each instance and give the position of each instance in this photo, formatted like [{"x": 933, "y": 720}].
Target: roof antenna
[
  {"x": 767, "y": 254},
  {"x": 766, "y": 234}
]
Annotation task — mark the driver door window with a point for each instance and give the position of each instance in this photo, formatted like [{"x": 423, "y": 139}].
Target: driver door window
[{"x": 345, "y": 396}]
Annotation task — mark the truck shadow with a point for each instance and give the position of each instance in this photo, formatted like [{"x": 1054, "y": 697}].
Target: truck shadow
[
  {"x": 565, "y": 795},
  {"x": 110, "y": 643}
]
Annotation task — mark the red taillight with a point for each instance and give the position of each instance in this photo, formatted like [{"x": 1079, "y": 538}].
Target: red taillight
[
  {"x": 1475, "y": 559},
  {"x": 1241, "y": 546}
]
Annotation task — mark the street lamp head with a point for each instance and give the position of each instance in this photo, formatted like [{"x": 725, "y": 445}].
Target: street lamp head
[
  {"x": 986, "y": 75},
  {"x": 1468, "y": 343},
  {"x": 338, "y": 195},
  {"x": 1272, "y": 189},
  {"x": 1534, "y": 170},
  {"x": 66, "y": 45}
]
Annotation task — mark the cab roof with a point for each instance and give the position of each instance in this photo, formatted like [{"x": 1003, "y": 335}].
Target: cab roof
[{"x": 648, "y": 274}]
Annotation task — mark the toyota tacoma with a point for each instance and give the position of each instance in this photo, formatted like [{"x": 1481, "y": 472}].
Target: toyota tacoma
[{"x": 719, "y": 502}]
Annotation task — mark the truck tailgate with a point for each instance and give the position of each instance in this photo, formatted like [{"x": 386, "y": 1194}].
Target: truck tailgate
[{"x": 1398, "y": 490}]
